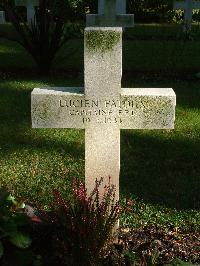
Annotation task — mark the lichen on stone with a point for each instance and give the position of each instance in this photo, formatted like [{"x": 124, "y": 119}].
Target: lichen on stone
[{"x": 102, "y": 41}]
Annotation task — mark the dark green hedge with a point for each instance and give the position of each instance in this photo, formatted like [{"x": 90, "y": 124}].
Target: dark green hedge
[{"x": 145, "y": 11}]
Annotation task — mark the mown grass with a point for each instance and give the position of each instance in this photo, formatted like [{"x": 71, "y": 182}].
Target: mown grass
[
  {"x": 26, "y": 153},
  {"x": 159, "y": 169}
]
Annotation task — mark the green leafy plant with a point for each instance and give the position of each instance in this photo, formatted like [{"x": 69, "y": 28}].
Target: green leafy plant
[
  {"x": 45, "y": 35},
  {"x": 83, "y": 225},
  {"x": 178, "y": 262},
  {"x": 12, "y": 223}
]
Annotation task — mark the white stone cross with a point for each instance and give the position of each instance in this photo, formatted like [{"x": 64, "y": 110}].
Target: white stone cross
[
  {"x": 30, "y": 5},
  {"x": 109, "y": 16},
  {"x": 120, "y": 7},
  {"x": 188, "y": 6},
  {"x": 102, "y": 107},
  {"x": 2, "y": 17}
]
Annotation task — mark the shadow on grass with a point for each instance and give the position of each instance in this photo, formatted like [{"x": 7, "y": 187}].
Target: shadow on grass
[
  {"x": 34, "y": 162},
  {"x": 158, "y": 169},
  {"x": 188, "y": 93},
  {"x": 16, "y": 131},
  {"x": 162, "y": 171},
  {"x": 22, "y": 138}
]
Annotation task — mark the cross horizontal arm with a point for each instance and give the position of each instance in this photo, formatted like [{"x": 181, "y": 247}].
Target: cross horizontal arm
[
  {"x": 26, "y": 2},
  {"x": 182, "y": 5},
  {"x": 120, "y": 20},
  {"x": 50, "y": 107},
  {"x": 147, "y": 108},
  {"x": 136, "y": 109}
]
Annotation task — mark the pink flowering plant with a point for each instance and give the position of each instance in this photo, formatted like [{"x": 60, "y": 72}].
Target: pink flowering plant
[{"x": 84, "y": 224}]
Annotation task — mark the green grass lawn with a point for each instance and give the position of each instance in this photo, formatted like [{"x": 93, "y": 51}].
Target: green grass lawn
[{"x": 159, "y": 169}]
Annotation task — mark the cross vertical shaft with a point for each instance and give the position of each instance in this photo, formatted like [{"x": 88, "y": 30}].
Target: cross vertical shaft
[
  {"x": 109, "y": 17},
  {"x": 110, "y": 8},
  {"x": 2, "y": 17},
  {"x": 120, "y": 6},
  {"x": 103, "y": 82},
  {"x": 30, "y": 11},
  {"x": 188, "y": 12}
]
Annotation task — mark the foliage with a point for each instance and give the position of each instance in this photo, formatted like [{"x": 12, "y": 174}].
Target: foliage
[
  {"x": 140, "y": 214},
  {"x": 144, "y": 10},
  {"x": 77, "y": 9},
  {"x": 44, "y": 36},
  {"x": 148, "y": 10},
  {"x": 12, "y": 223},
  {"x": 84, "y": 225},
  {"x": 178, "y": 262},
  {"x": 157, "y": 11}
]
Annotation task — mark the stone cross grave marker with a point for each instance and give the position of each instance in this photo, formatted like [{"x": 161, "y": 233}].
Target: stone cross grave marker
[
  {"x": 120, "y": 6},
  {"x": 2, "y": 17},
  {"x": 109, "y": 17},
  {"x": 188, "y": 6},
  {"x": 102, "y": 107},
  {"x": 30, "y": 6}
]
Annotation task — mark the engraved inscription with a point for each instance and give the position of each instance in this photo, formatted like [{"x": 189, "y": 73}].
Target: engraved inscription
[
  {"x": 131, "y": 109},
  {"x": 103, "y": 111},
  {"x": 76, "y": 103},
  {"x": 79, "y": 103}
]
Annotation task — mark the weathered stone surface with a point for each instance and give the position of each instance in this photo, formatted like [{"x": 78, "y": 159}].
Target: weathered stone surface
[
  {"x": 103, "y": 62},
  {"x": 2, "y": 17},
  {"x": 30, "y": 5},
  {"x": 103, "y": 69},
  {"x": 142, "y": 108},
  {"x": 147, "y": 108},
  {"x": 50, "y": 108}
]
